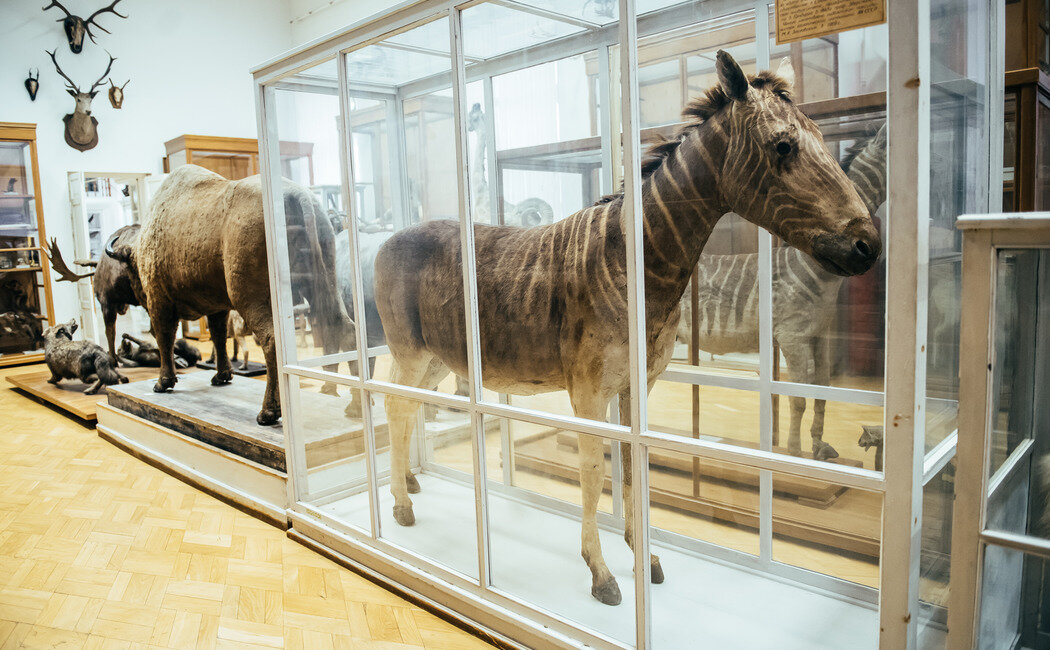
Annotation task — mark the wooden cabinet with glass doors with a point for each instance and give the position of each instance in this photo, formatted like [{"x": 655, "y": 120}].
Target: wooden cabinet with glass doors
[{"x": 25, "y": 287}]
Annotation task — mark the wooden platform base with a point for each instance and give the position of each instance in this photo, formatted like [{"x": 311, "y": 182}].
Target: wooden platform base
[
  {"x": 807, "y": 511},
  {"x": 69, "y": 395},
  {"x": 254, "y": 369}
]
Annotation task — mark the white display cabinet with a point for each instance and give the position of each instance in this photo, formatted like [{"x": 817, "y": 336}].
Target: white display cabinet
[
  {"x": 999, "y": 543},
  {"x": 774, "y": 526}
]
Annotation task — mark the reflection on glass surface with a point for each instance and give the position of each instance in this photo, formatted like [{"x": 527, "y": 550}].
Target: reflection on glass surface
[
  {"x": 1001, "y": 597},
  {"x": 839, "y": 432},
  {"x": 22, "y": 297},
  {"x": 935, "y": 559}
]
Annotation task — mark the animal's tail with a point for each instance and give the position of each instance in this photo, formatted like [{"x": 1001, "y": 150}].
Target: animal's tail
[
  {"x": 321, "y": 287},
  {"x": 105, "y": 370}
]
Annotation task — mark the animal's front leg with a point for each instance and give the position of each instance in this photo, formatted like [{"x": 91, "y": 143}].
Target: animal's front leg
[
  {"x": 271, "y": 406},
  {"x": 592, "y": 478},
  {"x": 93, "y": 388},
  {"x": 110, "y": 318},
  {"x": 217, "y": 327},
  {"x": 401, "y": 418},
  {"x": 821, "y": 377}
]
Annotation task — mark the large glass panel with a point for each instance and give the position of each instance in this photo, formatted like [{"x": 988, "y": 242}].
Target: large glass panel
[
  {"x": 308, "y": 126},
  {"x": 838, "y": 432},
  {"x": 836, "y": 531},
  {"x": 405, "y": 176},
  {"x": 934, "y": 561},
  {"x": 552, "y": 294},
  {"x": 534, "y": 511},
  {"x": 958, "y": 185}
]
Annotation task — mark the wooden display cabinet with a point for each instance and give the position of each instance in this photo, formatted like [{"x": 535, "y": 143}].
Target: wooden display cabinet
[
  {"x": 26, "y": 305},
  {"x": 234, "y": 159}
]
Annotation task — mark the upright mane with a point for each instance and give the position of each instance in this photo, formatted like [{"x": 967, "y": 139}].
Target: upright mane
[{"x": 695, "y": 113}]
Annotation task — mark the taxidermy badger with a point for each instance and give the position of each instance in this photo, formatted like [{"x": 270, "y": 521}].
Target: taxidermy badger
[
  {"x": 83, "y": 360},
  {"x": 135, "y": 352}
]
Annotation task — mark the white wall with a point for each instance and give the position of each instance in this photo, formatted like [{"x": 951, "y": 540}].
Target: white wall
[
  {"x": 315, "y": 18},
  {"x": 188, "y": 62}
]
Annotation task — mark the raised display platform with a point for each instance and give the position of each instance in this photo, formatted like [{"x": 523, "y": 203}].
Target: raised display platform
[{"x": 68, "y": 394}]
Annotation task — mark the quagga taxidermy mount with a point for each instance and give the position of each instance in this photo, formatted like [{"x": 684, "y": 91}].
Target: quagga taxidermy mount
[
  {"x": 804, "y": 300},
  {"x": 553, "y": 299}
]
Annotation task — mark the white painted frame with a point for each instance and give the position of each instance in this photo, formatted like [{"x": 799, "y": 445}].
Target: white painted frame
[
  {"x": 983, "y": 237},
  {"x": 908, "y": 468}
]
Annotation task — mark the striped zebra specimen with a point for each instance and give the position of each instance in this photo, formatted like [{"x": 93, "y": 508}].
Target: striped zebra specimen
[
  {"x": 553, "y": 299},
  {"x": 804, "y": 299}
]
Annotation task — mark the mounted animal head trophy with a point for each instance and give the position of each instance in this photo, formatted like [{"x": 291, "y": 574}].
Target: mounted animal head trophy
[
  {"x": 81, "y": 127},
  {"x": 76, "y": 27},
  {"x": 33, "y": 84},
  {"x": 116, "y": 96}
]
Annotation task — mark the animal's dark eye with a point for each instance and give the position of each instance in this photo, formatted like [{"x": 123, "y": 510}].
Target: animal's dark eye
[{"x": 784, "y": 147}]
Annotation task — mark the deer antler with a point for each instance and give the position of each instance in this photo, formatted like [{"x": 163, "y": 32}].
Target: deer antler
[
  {"x": 90, "y": 20},
  {"x": 72, "y": 85},
  {"x": 59, "y": 265},
  {"x": 101, "y": 80},
  {"x": 54, "y": 3}
]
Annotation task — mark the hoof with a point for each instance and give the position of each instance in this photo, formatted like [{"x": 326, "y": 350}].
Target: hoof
[
  {"x": 430, "y": 412},
  {"x": 326, "y": 389},
  {"x": 404, "y": 515},
  {"x": 90, "y": 391},
  {"x": 222, "y": 377},
  {"x": 413, "y": 484},
  {"x": 607, "y": 593},
  {"x": 353, "y": 410},
  {"x": 267, "y": 417},
  {"x": 123, "y": 379},
  {"x": 824, "y": 451},
  {"x": 656, "y": 572},
  {"x": 164, "y": 384}
]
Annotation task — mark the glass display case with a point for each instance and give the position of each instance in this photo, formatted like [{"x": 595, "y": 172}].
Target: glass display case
[
  {"x": 25, "y": 286},
  {"x": 1001, "y": 539},
  {"x": 556, "y": 332}
]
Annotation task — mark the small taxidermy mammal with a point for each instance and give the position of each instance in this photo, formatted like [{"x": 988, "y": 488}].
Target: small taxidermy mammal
[
  {"x": 83, "y": 360},
  {"x": 136, "y": 352}
]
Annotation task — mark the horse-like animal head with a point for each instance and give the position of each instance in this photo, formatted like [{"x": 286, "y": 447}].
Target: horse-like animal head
[{"x": 778, "y": 173}]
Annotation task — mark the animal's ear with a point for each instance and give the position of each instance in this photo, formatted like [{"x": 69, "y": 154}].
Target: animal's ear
[
  {"x": 786, "y": 71},
  {"x": 92, "y": 94},
  {"x": 72, "y": 93},
  {"x": 73, "y": 326},
  {"x": 730, "y": 76}
]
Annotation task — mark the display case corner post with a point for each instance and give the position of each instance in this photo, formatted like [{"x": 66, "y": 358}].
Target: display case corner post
[
  {"x": 907, "y": 251},
  {"x": 279, "y": 273},
  {"x": 976, "y": 336}
]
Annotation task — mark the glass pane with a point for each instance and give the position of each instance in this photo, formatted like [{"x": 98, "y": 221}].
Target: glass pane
[
  {"x": 1042, "y": 154},
  {"x": 426, "y": 501},
  {"x": 702, "y": 500},
  {"x": 549, "y": 304},
  {"x": 958, "y": 185},
  {"x": 1001, "y": 598},
  {"x": 308, "y": 125},
  {"x": 935, "y": 559},
  {"x": 535, "y": 525},
  {"x": 1018, "y": 293},
  {"x": 838, "y": 432},
  {"x": 833, "y": 530},
  {"x": 23, "y": 310},
  {"x": 332, "y": 436},
  {"x": 712, "y": 413}
]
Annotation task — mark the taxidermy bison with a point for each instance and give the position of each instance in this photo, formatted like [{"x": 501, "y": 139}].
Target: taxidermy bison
[
  {"x": 202, "y": 252},
  {"x": 115, "y": 285},
  {"x": 83, "y": 360}
]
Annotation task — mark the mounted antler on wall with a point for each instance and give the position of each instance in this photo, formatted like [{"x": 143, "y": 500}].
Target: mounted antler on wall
[
  {"x": 116, "y": 95},
  {"x": 76, "y": 27},
  {"x": 81, "y": 127},
  {"x": 33, "y": 84}
]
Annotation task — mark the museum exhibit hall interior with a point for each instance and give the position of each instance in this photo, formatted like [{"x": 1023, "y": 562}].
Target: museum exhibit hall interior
[{"x": 449, "y": 324}]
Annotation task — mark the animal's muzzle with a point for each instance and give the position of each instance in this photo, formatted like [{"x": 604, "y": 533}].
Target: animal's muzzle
[{"x": 850, "y": 253}]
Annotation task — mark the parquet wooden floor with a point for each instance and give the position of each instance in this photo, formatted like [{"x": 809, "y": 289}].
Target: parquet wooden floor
[{"x": 100, "y": 550}]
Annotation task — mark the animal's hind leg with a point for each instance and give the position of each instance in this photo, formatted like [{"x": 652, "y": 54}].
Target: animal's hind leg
[
  {"x": 822, "y": 377},
  {"x": 797, "y": 354},
  {"x": 164, "y": 325},
  {"x": 271, "y": 406},
  {"x": 93, "y": 388},
  {"x": 401, "y": 415},
  {"x": 217, "y": 328},
  {"x": 656, "y": 572},
  {"x": 109, "y": 317}
]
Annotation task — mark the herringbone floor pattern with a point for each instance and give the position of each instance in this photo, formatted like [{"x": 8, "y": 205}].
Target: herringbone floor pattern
[{"x": 100, "y": 550}]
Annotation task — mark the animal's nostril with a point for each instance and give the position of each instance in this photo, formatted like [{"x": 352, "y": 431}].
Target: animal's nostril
[{"x": 862, "y": 248}]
